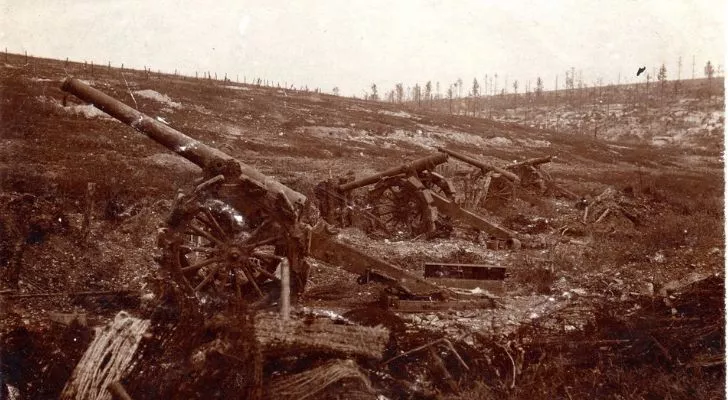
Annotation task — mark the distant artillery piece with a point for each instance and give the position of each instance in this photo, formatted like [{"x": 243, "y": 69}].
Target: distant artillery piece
[
  {"x": 405, "y": 202},
  {"x": 491, "y": 187},
  {"x": 488, "y": 186}
]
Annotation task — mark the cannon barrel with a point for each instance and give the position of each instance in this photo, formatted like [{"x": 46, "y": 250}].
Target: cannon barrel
[
  {"x": 531, "y": 162},
  {"x": 480, "y": 164},
  {"x": 424, "y": 163},
  {"x": 191, "y": 149}
]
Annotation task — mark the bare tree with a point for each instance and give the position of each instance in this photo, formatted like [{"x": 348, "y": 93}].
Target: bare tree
[
  {"x": 569, "y": 83},
  {"x": 539, "y": 86},
  {"x": 399, "y": 89},
  {"x": 374, "y": 96},
  {"x": 417, "y": 94},
  {"x": 428, "y": 91},
  {"x": 460, "y": 87},
  {"x": 662, "y": 77},
  {"x": 709, "y": 72},
  {"x": 449, "y": 96},
  {"x": 336, "y": 90},
  {"x": 475, "y": 93}
]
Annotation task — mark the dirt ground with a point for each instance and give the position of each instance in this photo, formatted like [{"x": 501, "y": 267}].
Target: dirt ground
[{"x": 613, "y": 309}]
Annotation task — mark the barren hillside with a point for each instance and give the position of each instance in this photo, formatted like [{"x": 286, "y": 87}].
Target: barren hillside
[{"x": 587, "y": 278}]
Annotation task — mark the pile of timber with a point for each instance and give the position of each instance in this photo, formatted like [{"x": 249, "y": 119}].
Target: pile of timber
[{"x": 276, "y": 335}]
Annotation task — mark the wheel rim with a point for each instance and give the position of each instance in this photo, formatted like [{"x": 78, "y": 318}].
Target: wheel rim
[
  {"x": 401, "y": 208},
  {"x": 207, "y": 255}
]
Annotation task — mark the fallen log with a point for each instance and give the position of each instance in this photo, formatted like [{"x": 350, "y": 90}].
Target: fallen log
[{"x": 276, "y": 335}]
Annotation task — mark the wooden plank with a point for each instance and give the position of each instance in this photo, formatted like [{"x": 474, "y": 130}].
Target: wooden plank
[
  {"x": 493, "y": 286},
  {"x": 415, "y": 306},
  {"x": 278, "y": 336},
  {"x": 465, "y": 271}
]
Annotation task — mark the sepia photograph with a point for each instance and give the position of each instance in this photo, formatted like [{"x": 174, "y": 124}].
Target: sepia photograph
[{"x": 374, "y": 200}]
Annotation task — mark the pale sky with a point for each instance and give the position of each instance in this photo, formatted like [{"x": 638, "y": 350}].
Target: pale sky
[{"x": 352, "y": 44}]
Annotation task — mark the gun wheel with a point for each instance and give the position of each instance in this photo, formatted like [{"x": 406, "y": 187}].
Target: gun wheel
[
  {"x": 403, "y": 207},
  {"x": 498, "y": 190},
  {"x": 208, "y": 250}
]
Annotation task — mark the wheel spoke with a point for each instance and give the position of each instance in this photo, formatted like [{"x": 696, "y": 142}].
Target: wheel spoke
[
  {"x": 251, "y": 279},
  {"x": 199, "y": 249},
  {"x": 208, "y": 278},
  {"x": 195, "y": 267},
  {"x": 206, "y": 223},
  {"x": 215, "y": 224},
  {"x": 265, "y": 272},
  {"x": 204, "y": 234},
  {"x": 263, "y": 242}
]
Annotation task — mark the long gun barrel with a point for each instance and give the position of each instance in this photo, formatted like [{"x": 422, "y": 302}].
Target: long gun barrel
[
  {"x": 191, "y": 149},
  {"x": 532, "y": 162},
  {"x": 480, "y": 164},
  {"x": 429, "y": 163}
]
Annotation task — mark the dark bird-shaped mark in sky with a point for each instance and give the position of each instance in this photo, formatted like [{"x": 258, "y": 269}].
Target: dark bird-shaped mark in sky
[{"x": 641, "y": 70}]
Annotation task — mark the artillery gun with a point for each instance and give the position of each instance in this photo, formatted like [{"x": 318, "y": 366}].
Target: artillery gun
[
  {"x": 407, "y": 201},
  {"x": 228, "y": 235},
  {"x": 490, "y": 187}
]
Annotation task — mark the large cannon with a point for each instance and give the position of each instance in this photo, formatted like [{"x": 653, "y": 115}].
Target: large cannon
[
  {"x": 231, "y": 232},
  {"x": 404, "y": 202}
]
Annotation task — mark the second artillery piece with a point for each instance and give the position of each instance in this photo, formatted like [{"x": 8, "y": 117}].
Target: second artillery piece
[
  {"x": 407, "y": 201},
  {"x": 490, "y": 187}
]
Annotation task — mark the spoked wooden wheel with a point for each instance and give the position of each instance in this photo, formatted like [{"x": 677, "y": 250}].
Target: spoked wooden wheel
[
  {"x": 497, "y": 191},
  {"x": 209, "y": 252},
  {"x": 402, "y": 207}
]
